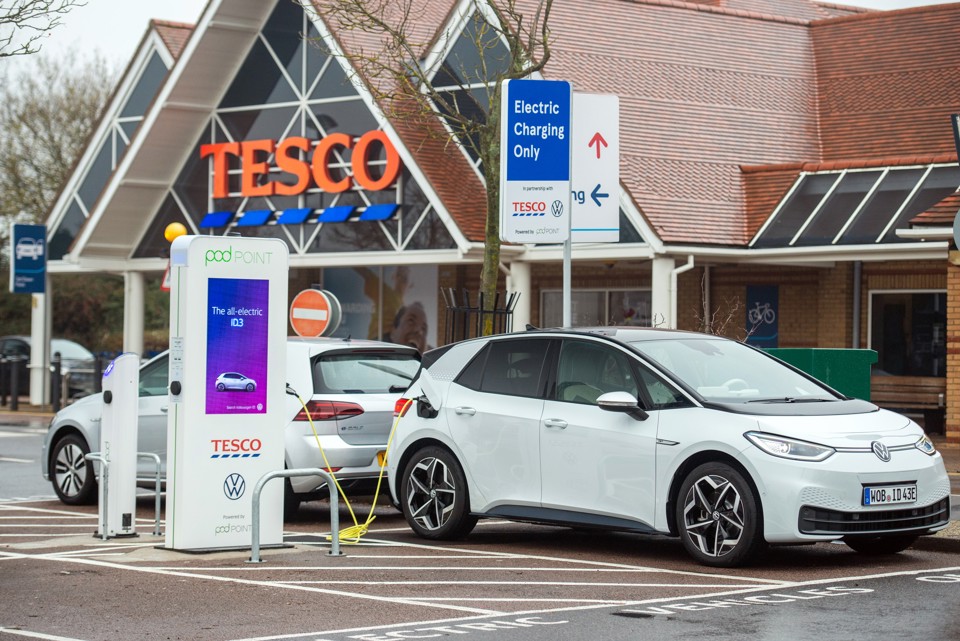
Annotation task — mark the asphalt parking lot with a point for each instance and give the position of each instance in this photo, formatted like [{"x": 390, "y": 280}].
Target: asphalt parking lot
[{"x": 58, "y": 581}]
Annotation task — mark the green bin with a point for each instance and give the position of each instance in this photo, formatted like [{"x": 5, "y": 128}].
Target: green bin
[{"x": 845, "y": 370}]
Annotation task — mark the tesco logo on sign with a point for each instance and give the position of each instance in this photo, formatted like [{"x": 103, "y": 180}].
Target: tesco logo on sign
[
  {"x": 236, "y": 447},
  {"x": 529, "y": 206},
  {"x": 308, "y": 167}
]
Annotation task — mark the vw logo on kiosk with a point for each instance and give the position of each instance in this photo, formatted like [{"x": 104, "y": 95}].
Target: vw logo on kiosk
[{"x": 234, "y": 486}]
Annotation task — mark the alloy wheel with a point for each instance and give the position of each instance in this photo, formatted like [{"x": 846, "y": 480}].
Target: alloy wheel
[
  {"x": 713, "y": 515},
  {"x": 70, "y": 469},
  {"x": 431, "y": 493}
]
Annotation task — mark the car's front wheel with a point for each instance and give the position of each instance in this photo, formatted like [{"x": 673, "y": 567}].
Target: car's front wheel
[
  {"x": 71, "y": 474},
  {"x": 718, "y": 516},
  {"x": 434, "y": 495},
  {"x": 881, "y": 545}
]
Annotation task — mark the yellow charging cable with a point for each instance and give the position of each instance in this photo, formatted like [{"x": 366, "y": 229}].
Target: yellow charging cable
[{"x": 353, "y": 534}]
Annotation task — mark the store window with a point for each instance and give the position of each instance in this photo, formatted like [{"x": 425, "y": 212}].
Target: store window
[
  {"x": 593, "y": 307},
  {"x": 908, "y": 331}
]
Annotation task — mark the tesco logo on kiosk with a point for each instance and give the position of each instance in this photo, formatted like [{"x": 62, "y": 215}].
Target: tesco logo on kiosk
[
  {"x": 308, "y": 167},
  {"x": 236, "y": 447}
]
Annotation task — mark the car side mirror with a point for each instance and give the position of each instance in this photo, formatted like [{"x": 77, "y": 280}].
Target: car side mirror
[{"x": 622, "y": 402}]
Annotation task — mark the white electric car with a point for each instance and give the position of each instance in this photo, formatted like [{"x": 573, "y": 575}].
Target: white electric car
[
  {"x": 349, "y": 387},
  {"x": 659, "y": 432}
]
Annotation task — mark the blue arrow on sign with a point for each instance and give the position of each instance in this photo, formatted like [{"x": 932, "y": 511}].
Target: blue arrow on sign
[{"x": 596, "y": 194}]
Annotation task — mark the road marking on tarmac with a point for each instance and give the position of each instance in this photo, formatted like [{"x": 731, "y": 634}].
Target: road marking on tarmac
[{"x": 35, "y": 635}]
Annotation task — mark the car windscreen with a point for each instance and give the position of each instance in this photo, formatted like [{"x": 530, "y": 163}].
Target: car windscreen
[
  {"x": 725, "y": 371},
  {"x": 364, "y": 372}
]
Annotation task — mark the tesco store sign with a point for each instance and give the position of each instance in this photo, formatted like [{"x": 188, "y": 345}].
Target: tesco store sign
[{"x": 309, "y": 167}]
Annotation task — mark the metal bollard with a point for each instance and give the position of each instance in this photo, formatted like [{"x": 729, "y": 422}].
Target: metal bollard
[
  {"x": 156, "y": 461},
  {"x": 98, "y": 373},
  {"x": 15, "y": 384},
  {"x": 4, "y": 378},
  {"x": 56, "y": 381},
  {"x": 334, "y": 508},
  {"x": 105, "y": 474}
]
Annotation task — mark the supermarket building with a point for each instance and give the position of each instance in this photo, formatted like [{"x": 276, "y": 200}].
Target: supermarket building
[{"x": 788, "y": 174}]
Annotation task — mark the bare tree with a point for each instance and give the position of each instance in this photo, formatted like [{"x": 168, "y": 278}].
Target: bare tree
[
  {"x": 384, "y": 42},
  {"x": 24, "y": 23}
]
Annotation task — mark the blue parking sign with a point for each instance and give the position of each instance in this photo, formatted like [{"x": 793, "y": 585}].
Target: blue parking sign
[{"x": 28, "y": 250}]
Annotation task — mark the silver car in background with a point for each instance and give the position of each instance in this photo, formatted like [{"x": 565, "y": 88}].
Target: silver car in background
[{"x": 349, "y": 387}]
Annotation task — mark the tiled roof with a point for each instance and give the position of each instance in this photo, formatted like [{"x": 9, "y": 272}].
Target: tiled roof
[
  {"x": 703, "y": 89},
  {"x": 888, "y": 82},
  {"x": 940, "y": 215},
  {"x": 173, "y": 34}
]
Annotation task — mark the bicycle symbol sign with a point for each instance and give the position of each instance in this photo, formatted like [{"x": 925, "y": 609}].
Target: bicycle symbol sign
[{"x": 761, "y": 313}]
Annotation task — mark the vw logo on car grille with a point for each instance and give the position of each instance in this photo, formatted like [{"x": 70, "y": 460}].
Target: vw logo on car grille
[
  {"x": 880, "y": 450},
  {"x": 233, "y": 486}
]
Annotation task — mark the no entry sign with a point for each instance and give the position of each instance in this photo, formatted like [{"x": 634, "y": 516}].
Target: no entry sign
[{"x": 314, "y": 312}]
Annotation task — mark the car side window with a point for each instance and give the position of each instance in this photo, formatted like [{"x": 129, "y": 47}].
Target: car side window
[
  {"x": 154, "y": 378},
  {"x": 662, "y": 395},
  {"x": 512, "y": 367},
  {"x": 586, "y": 370}
]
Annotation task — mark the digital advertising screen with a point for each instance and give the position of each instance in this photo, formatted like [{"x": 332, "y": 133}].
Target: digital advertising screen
[{"x": 237, "y": 324}]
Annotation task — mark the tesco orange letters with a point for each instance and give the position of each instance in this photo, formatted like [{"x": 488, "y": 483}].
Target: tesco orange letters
[{"x": 291, "y": 159}]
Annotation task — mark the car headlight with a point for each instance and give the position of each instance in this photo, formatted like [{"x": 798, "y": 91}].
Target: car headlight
[
  {"x": 926, "y": 446},
  {"x": 789, "y": 448}
]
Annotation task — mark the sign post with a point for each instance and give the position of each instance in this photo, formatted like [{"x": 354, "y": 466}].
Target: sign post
[
  {"x": 225, "y": 426},
  {"x": 535, "y": 161}
]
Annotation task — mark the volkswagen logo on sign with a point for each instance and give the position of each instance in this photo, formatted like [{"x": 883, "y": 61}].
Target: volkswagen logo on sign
[
  {"x": 557, "y": 208},
  {"x": 881, "y": 451},
  {"x": 233, "y": 486}
]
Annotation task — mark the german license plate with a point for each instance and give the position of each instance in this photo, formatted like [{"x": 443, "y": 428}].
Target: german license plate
[
  {"x": 381, "y": 458},
  {"x": 889, "y": 494}
]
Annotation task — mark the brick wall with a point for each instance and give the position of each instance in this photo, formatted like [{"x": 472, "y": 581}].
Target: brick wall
[{"x": 953, "y": 348}]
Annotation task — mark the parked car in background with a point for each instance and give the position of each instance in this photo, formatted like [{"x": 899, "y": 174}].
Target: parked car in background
[
  {"x": 349, "y": 387},
  {"x": 658, "y": 432},
  {"x": 77, "y": 363}
]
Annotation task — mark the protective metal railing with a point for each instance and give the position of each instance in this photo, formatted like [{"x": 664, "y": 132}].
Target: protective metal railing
[{"x": 334, "y": 508}]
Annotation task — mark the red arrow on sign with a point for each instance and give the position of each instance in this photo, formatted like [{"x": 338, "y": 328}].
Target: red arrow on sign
[{"x": 597, "y": 140}]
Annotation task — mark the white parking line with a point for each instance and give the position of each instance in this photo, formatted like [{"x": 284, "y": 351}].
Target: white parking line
[
  {"x": 210, "y": 577},
  {"x": 550, "y": 583},
  {"x": 35, "y": 635}
]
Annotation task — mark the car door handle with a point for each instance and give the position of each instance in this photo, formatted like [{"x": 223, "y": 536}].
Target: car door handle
[
  {"x": 465, "y": 411},
  {"x": 163, "y": 409},
  {"x": 555, "y": 422}
]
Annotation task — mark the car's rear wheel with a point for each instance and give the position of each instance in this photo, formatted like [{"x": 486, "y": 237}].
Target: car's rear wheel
[
  {"x": 71, "y": 474},
  {"x": 881, "y": 545},
  {"x": 221, "y": 387},
  {"x": 434, "y": 495},
  {"x": 718, "y": 516}
]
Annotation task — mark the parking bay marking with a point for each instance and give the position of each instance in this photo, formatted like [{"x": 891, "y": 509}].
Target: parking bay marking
[{"x": 35, "y": 635}]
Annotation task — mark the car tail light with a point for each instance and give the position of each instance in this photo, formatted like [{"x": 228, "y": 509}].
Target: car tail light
[
  {"x": 401, "y": 406},
  {"x": 328, "y": 411}
]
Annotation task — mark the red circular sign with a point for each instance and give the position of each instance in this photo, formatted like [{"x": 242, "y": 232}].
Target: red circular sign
[{"x": 310, "y": 313}]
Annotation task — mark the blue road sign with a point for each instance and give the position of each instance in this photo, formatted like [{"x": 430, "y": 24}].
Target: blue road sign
[
  {"x": 29, "y": 253},
  {"x": 535, "y": 161}
]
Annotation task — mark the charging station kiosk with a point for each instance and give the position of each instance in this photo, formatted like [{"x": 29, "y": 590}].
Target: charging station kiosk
[
  {"x": 226, "y": 419},
  {"x": 118, "y": 447}
]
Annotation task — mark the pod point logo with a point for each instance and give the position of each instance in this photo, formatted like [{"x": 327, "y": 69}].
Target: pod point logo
[
  {"x": 234, "y": 486},
  {"x": 236, "y": 256},
  {"x": 557, "y": 208}
]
